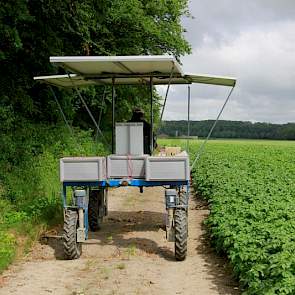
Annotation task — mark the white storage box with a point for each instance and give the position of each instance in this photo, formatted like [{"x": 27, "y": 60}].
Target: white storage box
[
  {"x": 82, "y": 169},
  {"x": 129, "y": 138},
  {"x": 167, "y": 168},
  {"x": 126, "y": 166}
]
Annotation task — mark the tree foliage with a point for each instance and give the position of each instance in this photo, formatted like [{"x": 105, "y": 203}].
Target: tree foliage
[
  {"x": 31, "y": 31},
  {"x": 230, "y": 129}
]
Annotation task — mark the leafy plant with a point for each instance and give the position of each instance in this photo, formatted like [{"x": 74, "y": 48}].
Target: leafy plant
[
  {"x": 250, "y": 186},
  {"x": 29, "y": 185}
]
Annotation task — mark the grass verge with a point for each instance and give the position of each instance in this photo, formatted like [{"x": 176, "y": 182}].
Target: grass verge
[{"x": 29, "y": 183}]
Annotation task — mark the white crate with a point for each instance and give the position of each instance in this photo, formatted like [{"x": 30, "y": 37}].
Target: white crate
[
  {"x": 82, "y": 169},
  {"x": 129, "y": 138},
  {"x": 126, "y": 166},
  {"x": 167, "y": 168}
]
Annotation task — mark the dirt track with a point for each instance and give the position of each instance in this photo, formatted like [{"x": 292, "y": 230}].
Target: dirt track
[{"x": 130, "y": 255}]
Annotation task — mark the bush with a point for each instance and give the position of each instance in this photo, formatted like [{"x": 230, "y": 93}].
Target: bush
[{"x": 30, "y": 194}]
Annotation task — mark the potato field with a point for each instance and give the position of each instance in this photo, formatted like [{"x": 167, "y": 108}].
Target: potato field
[{"x": 250, "y": 187}]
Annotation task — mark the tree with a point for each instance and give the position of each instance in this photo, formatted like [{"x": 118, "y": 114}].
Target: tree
[
  {"x": 231, "y": 129},
  {"x": 33, "y": 30}
]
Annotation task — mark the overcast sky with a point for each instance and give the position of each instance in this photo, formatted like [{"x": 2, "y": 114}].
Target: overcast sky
[{"x": 253, "y": 41}]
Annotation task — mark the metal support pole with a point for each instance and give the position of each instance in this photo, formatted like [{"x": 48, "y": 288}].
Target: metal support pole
[
  {"x": 88, "y": 111},
  {"x": 64, "y": 196},
  {"x": 152, "y": 116},
  {"x": 188, "y": 115},
  {"x": 202, "y": 147},
  {"x": 101, "y": 111},
  {"x": 166, "y": 95},
  {"x": 113, "y": 115}
]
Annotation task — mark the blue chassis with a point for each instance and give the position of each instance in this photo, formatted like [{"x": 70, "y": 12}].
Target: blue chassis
[{"x": 116, "y": 183}]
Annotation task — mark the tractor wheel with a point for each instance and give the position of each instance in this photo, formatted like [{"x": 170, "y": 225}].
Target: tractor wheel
[
  {"x": 95, "y": 203},
  {"x": 72, "y": 249},
  {"x": 180, "y": 219},
  {"x": 181, "y": 229}
]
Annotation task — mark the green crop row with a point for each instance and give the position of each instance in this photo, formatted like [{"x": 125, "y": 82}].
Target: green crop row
[{"x": 250, "y": 187}]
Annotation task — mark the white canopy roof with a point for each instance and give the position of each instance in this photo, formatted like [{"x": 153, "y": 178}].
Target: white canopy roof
[
  {"x": 64, "y": 80},
  {"x": 118, "y": 65},
  {"x": 125, "y": 70}
]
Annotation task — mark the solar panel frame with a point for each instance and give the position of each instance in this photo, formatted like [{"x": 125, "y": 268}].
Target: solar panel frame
[{"x": 126, "y": 70}]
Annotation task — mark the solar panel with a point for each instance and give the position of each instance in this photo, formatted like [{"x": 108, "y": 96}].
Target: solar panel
[
  {"x": 119, "y": 65},
  {"x": 64, "y": 80},
  {"x": 125, "y": 70}
]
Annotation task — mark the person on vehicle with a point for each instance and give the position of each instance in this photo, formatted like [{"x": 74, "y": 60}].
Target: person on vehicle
[{"x": 138, "y": 116}]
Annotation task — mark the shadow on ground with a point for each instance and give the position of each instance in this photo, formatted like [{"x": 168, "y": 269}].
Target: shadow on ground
[{"x": 114, "y": 230}]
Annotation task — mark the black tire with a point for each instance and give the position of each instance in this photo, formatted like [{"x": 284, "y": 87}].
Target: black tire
[
  {"x": 72, "y": 249},
  {"x": 95, "y": 202},
  {"x": 181, "y": 229},
  {"x": 180, "y": 219}
]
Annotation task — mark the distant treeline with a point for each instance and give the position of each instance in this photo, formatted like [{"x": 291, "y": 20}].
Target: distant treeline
[{"x": 229, "y": 129}]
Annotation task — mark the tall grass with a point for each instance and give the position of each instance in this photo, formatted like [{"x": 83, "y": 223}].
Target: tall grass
[{"x": 29, "y": 182}]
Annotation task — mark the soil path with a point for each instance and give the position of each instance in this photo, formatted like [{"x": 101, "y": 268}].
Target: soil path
[{"x": 130, "y": 255}]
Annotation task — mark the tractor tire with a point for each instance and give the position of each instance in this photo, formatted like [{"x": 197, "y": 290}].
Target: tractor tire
[
  {"x": 72, "y": 249},
  {"x": 95, "y": 202},
  {"x": 181, "y": 229},
  {"x": 180, "y": 219}
]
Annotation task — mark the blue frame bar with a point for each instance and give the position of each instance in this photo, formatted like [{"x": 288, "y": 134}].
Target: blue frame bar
[
  {"x": 126, "y": 182},
  {"x": 86, "y": 222}
]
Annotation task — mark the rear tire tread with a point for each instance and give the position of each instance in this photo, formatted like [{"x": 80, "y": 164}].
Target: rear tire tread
[
  {"x": 95, "y": 200},
  {"x": 181, "y": 229},
  {"x": 72, "y": 249},
  {"x": 180, "y": 218}
]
